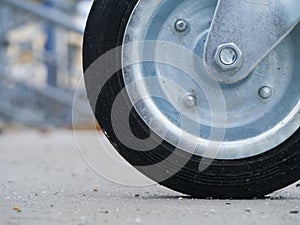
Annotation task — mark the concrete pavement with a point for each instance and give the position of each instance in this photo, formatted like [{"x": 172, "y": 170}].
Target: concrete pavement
[{"x": 45, "y": 179}]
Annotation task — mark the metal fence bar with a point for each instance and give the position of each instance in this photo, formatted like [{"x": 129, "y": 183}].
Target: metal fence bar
[{"x": 50, "y": 15}]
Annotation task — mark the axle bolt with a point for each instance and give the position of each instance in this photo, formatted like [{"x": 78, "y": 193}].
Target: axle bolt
[{"x": 228, "y": 56}]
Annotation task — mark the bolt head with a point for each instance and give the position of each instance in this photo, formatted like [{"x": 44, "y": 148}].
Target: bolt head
[
  {"x": 190, "y": 101},
  {"x": 265, "y": 92},
  {"x": 228, "y": 56},
  {"x": 181, "y": 25}
]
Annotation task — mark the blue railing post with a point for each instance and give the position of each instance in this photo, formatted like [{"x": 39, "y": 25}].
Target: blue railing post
[{"x": 50, "y": 51}]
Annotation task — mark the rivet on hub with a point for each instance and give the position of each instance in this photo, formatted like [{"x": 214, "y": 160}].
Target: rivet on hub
[
  {"x": 181, "y": 25},
  {"x": 265, "y": 92},
  {"x": 190, "y": 101}
]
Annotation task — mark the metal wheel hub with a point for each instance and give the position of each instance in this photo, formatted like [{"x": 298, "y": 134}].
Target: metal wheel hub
[{"x": 261, "y": 110}]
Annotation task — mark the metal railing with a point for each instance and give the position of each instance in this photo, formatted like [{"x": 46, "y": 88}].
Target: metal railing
[{"x": 31, "y": 103}]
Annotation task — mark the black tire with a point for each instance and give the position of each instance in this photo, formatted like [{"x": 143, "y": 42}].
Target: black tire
[{"x": 243, "y": 178}]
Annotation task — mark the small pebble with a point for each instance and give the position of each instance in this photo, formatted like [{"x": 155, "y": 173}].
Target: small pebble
[
  {"x": 248, "y": 210},
  {"x": 17, "y": 209},
  {"x": 297, "y": 185},
  {"x": 136, "y": 195},
  {"x": 95, "y": 189},
  {"x": 294, "y": 212},
  {"x": 105, "y": 212}
]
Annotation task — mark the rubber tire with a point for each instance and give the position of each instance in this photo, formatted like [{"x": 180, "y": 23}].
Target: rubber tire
[{"x": 244, "y": 178}]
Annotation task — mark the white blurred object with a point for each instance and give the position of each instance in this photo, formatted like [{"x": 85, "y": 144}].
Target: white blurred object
[{"x": 83, "y": 7}]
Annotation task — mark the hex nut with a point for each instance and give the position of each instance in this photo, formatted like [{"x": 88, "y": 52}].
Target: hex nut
[{"x": 228, "y": 66}]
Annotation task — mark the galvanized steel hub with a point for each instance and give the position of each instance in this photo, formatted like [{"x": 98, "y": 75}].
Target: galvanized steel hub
[{"x": 262, "y": 107}]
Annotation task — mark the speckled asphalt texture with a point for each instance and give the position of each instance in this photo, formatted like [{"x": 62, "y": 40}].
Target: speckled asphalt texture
[{"x": 44, "y": 179}]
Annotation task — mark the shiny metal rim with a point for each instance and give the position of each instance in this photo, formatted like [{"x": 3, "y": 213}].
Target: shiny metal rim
[{"x": 261, "y": 111}]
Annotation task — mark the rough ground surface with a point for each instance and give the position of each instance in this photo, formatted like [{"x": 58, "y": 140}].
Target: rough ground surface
[{"x": 44, "y": 180}]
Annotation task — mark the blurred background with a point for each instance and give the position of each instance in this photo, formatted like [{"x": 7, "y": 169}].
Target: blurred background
[{"x": 40, "y": 63}]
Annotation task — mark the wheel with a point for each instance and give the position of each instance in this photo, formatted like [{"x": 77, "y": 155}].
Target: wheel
[{"x": 174, "y": 123}]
